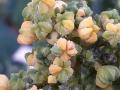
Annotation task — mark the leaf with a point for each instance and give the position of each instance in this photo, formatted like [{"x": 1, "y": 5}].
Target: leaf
[
  {"x": 108, "y": 35},
  {"x": 56, "y": 50},
  {"x": 65, "y": 74}
]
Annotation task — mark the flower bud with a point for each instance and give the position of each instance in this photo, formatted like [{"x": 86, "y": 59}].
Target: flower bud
[
  {"x": 92, "y": 39},
  {"x": 52, "y": 79},
  {"x": 111, "y": 27},
  {"x": 86, "y": 23},
  {"x": 81, "y": 12},
  {"x": 54, "y": 69},
  {"x": 3, "y": 82},
  {"x": 68, "y": 24},
  {"x": 25, "y": 40},
  {"x": 60, "y": 6},
  {"x": 50, "y": 3},
  {"x": 62, "y": 43},
  {"x": 71, "y": 49},
  {"x": 85, "y": 33},
  {"x": 26, "y": 27},
  {"x": 30, "y": 60}
]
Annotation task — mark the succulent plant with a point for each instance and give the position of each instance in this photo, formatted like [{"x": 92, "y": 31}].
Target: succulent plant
[{"x": 72, "y": 50}]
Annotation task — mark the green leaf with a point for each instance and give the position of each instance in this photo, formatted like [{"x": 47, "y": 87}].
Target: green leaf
[{"x": 56, "y": 50}]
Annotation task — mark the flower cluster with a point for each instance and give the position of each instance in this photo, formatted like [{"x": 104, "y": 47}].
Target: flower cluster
[{"x": 26, "y": 35}]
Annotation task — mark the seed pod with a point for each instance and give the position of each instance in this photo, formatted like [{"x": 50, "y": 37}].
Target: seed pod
[{"x": 3, "y": 82}]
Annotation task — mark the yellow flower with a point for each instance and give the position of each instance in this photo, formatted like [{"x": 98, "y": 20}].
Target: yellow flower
[
  {"x": 62, "y": 43},
  {"x": 3, "y": 82},
  {"x": 52, "y": 79},
  {"x": 54, "y": 69},
  {"x": 68, "y": 24},
  {"x": 50, "y": 3},
  {"x": 86, "y": 23}
]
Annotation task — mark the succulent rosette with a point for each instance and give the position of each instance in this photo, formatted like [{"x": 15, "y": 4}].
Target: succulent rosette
[
  {"x": 65, "y": 49},
  {"x": 88, "y": 30},
  {"x": 106, "y": 75},
  {"x": 65, "y": 23},
  {"x": 60, "y": 71},
  {"x": 110, "y": 20},
  {"x": 26, "y": 36}
]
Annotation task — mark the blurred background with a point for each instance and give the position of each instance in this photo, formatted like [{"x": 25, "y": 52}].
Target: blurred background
[{"x": 11, "y": 53}]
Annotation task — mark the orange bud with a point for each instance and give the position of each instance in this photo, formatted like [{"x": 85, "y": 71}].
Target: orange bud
[
  {"x": 26, "y": 26},
  {"x": 3, "y": 82},
  {"x": 85, "y": 33},
  {"x": 65, "y": 57},
  {"x": 25, "y": 40},
  {"x": 92, "y": 39},
  {"x": 86, "y": 23},
  {"x": 62, "y": 43},
  {"x": 50, "y": 3},
  {"x": 30, "y": 60},
  {"x": 54, "y": 69}
]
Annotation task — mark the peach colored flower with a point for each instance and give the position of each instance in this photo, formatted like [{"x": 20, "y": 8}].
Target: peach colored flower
[
  {"x": 54, "y": 69},
  {"x": 68, "y": 48}
]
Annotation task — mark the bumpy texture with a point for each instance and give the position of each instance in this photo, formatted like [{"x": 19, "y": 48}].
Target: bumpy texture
[{"x": 72, "y": 50}]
